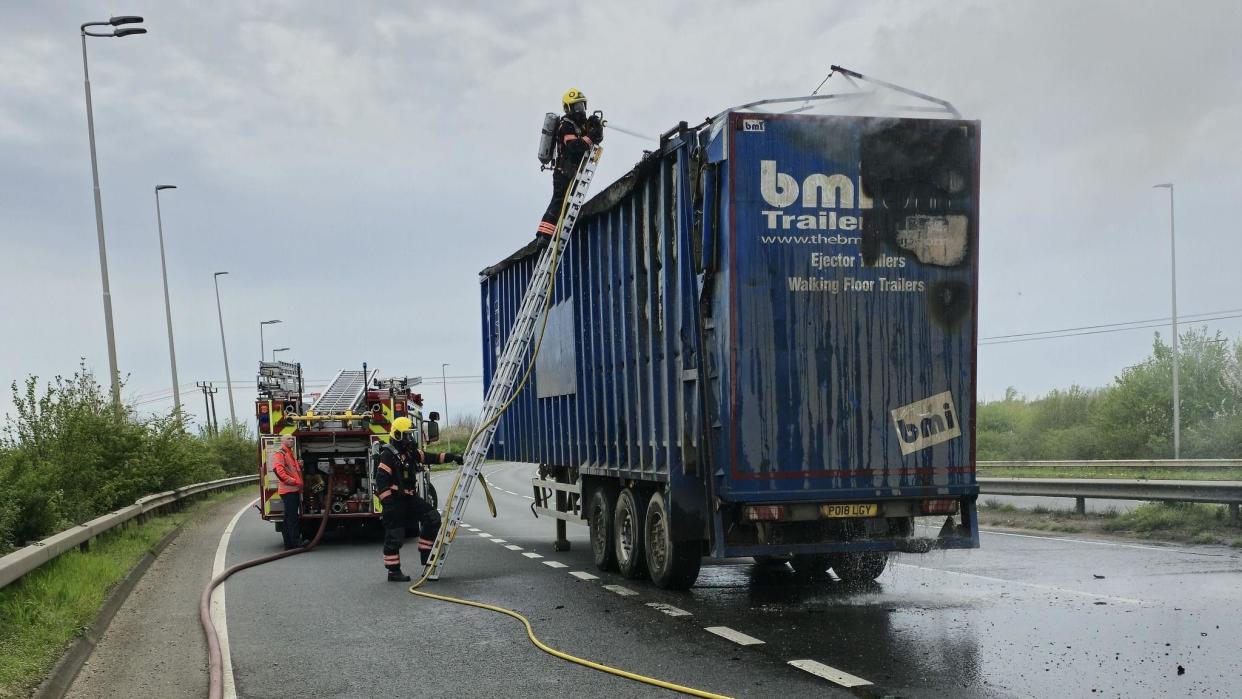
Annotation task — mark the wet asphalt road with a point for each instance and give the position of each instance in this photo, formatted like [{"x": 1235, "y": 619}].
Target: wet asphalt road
[{"x": 1023, "y": 616}]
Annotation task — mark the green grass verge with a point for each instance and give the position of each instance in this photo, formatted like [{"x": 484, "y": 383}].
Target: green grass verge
[
  {"x": 1185, "y": 474},
  {"x": 42, "y": 613},
  {"x": 1174, "y": 521}
]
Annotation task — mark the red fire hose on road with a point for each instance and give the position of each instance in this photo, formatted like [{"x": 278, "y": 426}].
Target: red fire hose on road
[{"x": 215, "y": 682}]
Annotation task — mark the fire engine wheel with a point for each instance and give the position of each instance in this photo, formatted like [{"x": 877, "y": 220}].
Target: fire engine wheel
[
  {"x": 859, "y": 566},
  {"x": 674, "y": 565},
  {"x": 811, "y": 566},
  {"x": 599, "y": 519},
  {"x": 627, "y": 526}
]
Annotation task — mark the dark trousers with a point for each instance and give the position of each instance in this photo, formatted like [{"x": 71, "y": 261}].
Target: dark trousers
[
  {"x": 560, "y": 185},
  {"x": 408, "y": 514},
  {"x": 290, "y": 529}
]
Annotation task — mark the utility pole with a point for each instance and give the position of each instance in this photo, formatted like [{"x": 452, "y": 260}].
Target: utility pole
[
  {"x": 444, "y": 385},
  {"x": 215, "y": 421},
  {"x": 203, "y": 386}
]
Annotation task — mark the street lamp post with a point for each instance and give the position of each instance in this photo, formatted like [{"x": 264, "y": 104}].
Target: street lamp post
[
  {"x": 278, "y": 349},
  {"x": 262, "y": 348},
  {"x": 444, "y": 384},
  {"x": 227, "y": 378},
  {"x": 1177, "y": 402},
  {"x": 114, "y": 373},
  {"x": 172, "y": 352}
]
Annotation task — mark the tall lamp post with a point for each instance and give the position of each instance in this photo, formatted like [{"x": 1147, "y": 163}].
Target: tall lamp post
[
  {"x": 172, "y": 352},
  {"x": 1177, "y": 402},
  {"x": 444, "y": 384},
  {"x": 262, "y": 348},
  {"x": 227, "y": 378},
  {"x": 278, "y": 349},
  {"x": 114, "y": 373}
]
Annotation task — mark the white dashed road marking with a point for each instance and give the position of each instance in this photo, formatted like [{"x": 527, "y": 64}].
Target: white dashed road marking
[
  {"x": 668, "y": 609},
  {"x": 514, "y": 547},
  {"x": 583, "y": 575},
  {"x": 736, "y": 636},
  {"x": 498, "y": 541},
  {"x": 829, "y": 673},
  {"x": 623, "y": 591},
  {"x": 555, "y": 564},
  {"x": 485, "y": 535},
  {"x": 471, "y": 529},
  {"x": 532, "y": 554}
]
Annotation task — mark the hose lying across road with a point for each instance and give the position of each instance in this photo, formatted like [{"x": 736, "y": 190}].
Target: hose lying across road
[{"x": 215, "y": 661}]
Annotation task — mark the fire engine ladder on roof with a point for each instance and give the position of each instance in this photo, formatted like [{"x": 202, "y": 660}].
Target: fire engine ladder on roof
[
  {"x": 343, "y": 393},
  {"x": 507, "y": 378}
]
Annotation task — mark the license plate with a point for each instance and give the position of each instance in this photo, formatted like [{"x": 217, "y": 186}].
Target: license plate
[{"x": 849, "y": 510}]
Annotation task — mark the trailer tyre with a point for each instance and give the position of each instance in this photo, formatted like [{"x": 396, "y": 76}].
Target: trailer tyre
[
  {"x": 674, "y": 565},
  {"x": 599, "y": 519},
  {"x": 627, "y": 527},
  {"x": 859, "y": 566}
]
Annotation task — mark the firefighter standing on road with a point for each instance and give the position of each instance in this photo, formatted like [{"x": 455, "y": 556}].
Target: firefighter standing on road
[
  {"x": 288, "y": 471},
  {"x": 395, "y": 479},
  {"x": 575, "y": 134}
]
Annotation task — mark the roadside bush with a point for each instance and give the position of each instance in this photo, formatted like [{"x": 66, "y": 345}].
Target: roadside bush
[{"x": 67, "y": 456}]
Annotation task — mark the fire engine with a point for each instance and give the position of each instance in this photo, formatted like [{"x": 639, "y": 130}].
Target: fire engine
[{"x": 339, "y": 435}]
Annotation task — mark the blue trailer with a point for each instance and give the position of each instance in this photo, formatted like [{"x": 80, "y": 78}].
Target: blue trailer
[{"x": 761, "y": 342}]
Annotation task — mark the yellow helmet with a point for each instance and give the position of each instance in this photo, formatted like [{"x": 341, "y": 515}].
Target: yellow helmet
[
  {"x": 571, "y": 97},
  {"x": 400, "y": 427}
]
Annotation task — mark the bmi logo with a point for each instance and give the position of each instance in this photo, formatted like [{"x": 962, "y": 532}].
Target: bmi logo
[
  {"x": 749, "y": 125},
  {"x": 926, "y": 422}
]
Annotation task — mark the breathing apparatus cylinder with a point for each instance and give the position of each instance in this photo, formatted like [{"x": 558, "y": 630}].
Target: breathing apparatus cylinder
[{"x": 546, "y": 137}]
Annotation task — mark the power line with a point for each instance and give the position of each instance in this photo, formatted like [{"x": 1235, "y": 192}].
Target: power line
[
  {"x": 1101, "y": 332},
  {"x": 1185, "y": 318}
]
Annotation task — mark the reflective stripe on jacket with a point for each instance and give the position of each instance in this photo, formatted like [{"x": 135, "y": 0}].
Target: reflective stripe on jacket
[{"x": 286, "y": 467}]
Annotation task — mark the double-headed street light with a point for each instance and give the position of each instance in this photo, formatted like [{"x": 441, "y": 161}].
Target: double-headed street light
[
  {"x": 114, "y": 373},
  {"x": 278, "y": 349},
  {"x": 262, "y": 349},
  {"x": 172, "y": 352}
]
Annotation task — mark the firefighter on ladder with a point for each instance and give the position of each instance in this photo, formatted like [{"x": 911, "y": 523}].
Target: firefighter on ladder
[
  {"x": 395, "y": 486},
  {"x": 575, "y": 134}
]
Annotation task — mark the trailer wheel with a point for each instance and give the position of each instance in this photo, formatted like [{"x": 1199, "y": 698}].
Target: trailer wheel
[
  {"x": 599, "y": 519},
  {"x": 811, "y": 566},
  {"x": 627, "y": 527},
  {"x": 859, "y": 566},
  {"x": 674, "y": 565}
]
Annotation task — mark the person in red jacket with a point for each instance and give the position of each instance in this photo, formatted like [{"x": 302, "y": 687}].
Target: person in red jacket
[{"x": 288, "y": 471}]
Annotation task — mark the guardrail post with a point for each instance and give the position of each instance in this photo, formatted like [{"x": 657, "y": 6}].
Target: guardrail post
[
  {"x": 1080, "y": 506},
  {"x": 85, "y": 546},
  {"x": 1233, "y": 514}
]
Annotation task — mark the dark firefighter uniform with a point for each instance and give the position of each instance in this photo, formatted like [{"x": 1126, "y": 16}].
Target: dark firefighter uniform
[
  {"x": 575, "y": 134},
  {"x": 395, "y": 485}
]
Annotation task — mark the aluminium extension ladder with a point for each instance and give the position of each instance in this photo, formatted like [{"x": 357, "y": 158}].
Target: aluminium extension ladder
[{"x": 508, "y": 370}]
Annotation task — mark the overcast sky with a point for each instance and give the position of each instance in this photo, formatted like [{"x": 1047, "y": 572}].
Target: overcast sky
[{"x": 354, "y": 165}]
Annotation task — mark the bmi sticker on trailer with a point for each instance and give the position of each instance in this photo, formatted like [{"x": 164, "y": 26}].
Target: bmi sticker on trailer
[{"x": 926, "y": 422}]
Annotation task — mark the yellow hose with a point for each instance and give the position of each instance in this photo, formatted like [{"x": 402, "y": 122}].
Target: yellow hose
[{"x": 530, "y": 633}]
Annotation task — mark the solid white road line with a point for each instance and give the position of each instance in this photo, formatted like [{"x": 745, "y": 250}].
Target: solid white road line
[
  {"x": 623, "y": 591},
  {"x": 529, "y": 497},
  {"x": 829, "y": 673},
  {"x": 1117, "y": 544},
  {"x": 1037, "y": 586},
  {"x": 514, "y": 547},
  {"x": 736, "y": 636},
  {"x": 555, "y": 564},
  {"x": 668, "y": 609},
  {"x": 583, "y": 575},
  {"x": 219, "y": 615},
  {"x": 532, "y": 554}
]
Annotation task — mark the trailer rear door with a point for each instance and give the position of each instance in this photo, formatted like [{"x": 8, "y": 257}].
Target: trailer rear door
[{"x": 852, "y": 253}]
